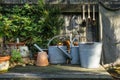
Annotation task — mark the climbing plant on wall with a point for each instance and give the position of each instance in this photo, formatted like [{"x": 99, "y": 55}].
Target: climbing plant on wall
[{"x": 30, "y": 23}]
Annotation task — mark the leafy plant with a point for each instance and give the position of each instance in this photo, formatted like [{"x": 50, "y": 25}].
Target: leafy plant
[
  {"x": 13, "y": 25},
  {"x": 30, "y": 23},
  {"x": 16, "y": 56}
]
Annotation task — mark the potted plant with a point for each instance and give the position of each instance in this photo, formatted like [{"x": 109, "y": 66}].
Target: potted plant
[
  {"x": 29, "y": 23},
  {"x": 4, "y": 59},
  {"x": 16, "y": 58}
]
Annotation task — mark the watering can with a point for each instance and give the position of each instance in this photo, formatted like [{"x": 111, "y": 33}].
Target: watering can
[
  {"x": 55, "y": 55},
  {"x": 73, "y": 55},
  {"x": 59, "y": 54},
  {"x": 74, "y": 52}
]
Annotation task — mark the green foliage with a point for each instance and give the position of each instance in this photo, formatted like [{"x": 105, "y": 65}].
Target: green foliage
[
  {"x": 30, "y": 23},
  {"x": 15, "y": 56}
]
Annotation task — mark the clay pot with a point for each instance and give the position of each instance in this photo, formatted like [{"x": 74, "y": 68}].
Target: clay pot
[
  {"x": 4, "y": 58},
  {"x": 4, "y": 63},
  {"x": 12, "y": 44},
  {"x": 42, "y": 59}
]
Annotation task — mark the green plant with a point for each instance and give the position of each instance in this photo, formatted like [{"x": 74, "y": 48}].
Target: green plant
[
  {"x": 13, "y": 25},
  {"x": 15, "y": 56},
  {"x": 52, "y": 24},
  {"x": 30, "y": 23}
]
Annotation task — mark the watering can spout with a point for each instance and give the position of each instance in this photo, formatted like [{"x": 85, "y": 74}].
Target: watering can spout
[
  {"x": 38, "y": 47},
  {"x": 68, "y": 55}
]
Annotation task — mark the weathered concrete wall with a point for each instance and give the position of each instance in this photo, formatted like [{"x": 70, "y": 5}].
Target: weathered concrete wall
[{"x": 110, "y": 22}]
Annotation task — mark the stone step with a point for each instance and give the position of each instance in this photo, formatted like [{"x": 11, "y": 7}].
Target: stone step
[{"x": 55, "y": 72}]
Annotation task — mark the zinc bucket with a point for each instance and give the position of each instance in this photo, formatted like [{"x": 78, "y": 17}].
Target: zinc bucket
[{"x": 90, "y": 54}]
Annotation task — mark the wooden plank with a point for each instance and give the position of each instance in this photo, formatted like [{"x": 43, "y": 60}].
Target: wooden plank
[{"x": 73, "y": 7}]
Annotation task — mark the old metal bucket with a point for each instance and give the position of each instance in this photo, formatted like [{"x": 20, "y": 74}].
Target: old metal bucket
[{"x": 90, "y": 54}]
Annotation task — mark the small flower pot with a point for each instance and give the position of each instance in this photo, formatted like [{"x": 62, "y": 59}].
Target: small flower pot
[{"x": 4, "y": 63}]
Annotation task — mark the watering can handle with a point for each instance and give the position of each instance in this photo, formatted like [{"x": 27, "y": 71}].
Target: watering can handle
[
  {"x": 68, "y": 55},
  {"x": 54, "y": 38},
  {"x": 38, "y": 47}
]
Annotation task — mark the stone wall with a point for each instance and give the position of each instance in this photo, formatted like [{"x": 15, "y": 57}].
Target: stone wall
[{"x": 109, "y": 21}]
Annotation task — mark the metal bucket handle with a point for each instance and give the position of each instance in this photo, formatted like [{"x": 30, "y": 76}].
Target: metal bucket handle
[{"x": 54, "y": 38}]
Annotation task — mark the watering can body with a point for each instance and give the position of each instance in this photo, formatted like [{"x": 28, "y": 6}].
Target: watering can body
[
  {"x": 73, "y": 55},
  {"x": 56, "y": 56},
  {"x": 59, "y": 54}
]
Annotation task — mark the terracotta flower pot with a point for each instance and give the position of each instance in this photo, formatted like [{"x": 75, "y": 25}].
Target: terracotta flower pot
[
  {"x": 4, "y": 63},
  {"x": 42, "y": 59},
  {"x": 12, "y": 44}
]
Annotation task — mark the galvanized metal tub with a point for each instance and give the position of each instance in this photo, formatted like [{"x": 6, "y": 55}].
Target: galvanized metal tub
[{"x": 90, "y": 54}]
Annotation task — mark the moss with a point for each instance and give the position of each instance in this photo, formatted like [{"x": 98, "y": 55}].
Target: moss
[{"x": 4, "y": 71}]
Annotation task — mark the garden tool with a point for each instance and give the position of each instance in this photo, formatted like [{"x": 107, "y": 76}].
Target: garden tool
[
  {"x": 84, "y": 21},
  {"x": 89, "y": 9},
  {"x": 93, "y": 12}
]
